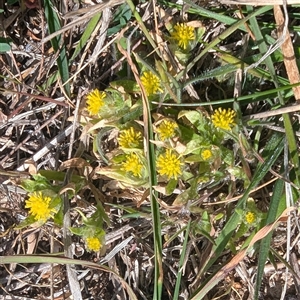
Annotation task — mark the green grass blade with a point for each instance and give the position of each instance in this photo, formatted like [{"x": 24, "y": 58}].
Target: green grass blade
[
  {"x": 142, "y": 25},
  {"x": 158, "y": 280},
  {"x": 225, "y": 34},
  {"x": 62, "y": 60},
  {"x": 257, "y": 72},
  {"x": 182, "y": 258},
  {"x": 276, "y": 148},
  {"x": 266, "y": 241},
  {"x": 158, "y": 276},
  {"x": 200, "y": 11},
  {"x": 258, "y": 96},
  {"x": 155, "y": 210},
  {"x": 86, "y": 35},
  {"x": 292, "y": 143}
]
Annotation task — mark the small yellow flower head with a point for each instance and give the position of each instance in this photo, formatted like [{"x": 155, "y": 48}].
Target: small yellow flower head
[
  {"x": 223, "y": 118},
  {"x": 95, "y": 100},
  {"x": 39, "y": 206},
  {"x": 169, "y": 164},
  {"x": 151, "y": 83},
  {"x": 206, "y": 154},
  {"x": 130, "y": 138},
  {"x": 132, "y": 164},
  {"x": 93, "y": 244},
  {"x": 167, "y": 129},
  {"x": 182, "y": 34},
  {"x": 250, "y": 217}
]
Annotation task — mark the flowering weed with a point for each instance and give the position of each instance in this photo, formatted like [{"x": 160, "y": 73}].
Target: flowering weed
[
  {"x": 95, "y": 101},
  {"x": 39, "y": 206},
  {"x": 183, "y": 34}
]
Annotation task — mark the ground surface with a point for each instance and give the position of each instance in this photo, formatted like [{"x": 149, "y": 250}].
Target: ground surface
[{"x": 41, "y": 132}]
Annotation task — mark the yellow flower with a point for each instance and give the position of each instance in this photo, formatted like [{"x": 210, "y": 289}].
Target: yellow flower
[
  {"x": 182, "y": 34},
  {"x": 223, "y": 118},
  {"x": 169, "y": 164},
  {"x": 151, "y": 83},
  {"x": 206, "y": 154},
  {"x": 133, "y": 164},
  {"x": 93, "y": 244},
  {"x": 95, "y": 100},
  {"x": 166, "y": 129},
  {"x": 39, "y": 206},
  {"x": 130, "y": 138},
  {"x": 250, "y": 217}
]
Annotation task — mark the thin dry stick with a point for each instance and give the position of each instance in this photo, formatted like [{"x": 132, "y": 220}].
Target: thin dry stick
[
  {"x": 240, "y": 196},
  {"x": 274, "y": 112}
]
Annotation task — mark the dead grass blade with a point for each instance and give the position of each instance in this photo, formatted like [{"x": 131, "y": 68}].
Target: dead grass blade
[
  {"x": 79, "y": 20},
  {"x": 288, "y": 52},
  {"x": 65, "y": 261}
]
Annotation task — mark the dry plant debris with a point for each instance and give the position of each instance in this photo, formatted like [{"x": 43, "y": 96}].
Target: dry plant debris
[{"x": 148, "y": 151}]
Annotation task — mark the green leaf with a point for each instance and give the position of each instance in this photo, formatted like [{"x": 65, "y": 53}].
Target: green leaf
[
  {"x": 77, "y": 230},
  {"x": 59, "y": 217},
  {"x": 194, "y": 146},
  {"x": 171, "y": 186},
  {"x": 11, "y": 2},
  {"x": 4, "y": 44},
  {"x": 50, "y": 175},
  {"x": 121, "y": 18},
  {"x": 29, "y": 221},
  {"x": 39, "y": 183},
  {"x": 123, "y": 176},
  {"x": 53, "y": 22},
  {"x": 85, "y": 36},
  {"x": 130, "y": 86}
]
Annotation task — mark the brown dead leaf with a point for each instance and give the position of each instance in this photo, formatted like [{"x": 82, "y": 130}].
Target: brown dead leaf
[
  {"x": 288, "y": 53},
  {"x": 69, "y": 187},
  {"x": 31, "y": 242},
  {"x": 76, "y": 162}
]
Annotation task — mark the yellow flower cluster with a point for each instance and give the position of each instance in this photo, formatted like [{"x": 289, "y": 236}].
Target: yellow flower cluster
[
  {"x": 183, "y": 34},
  {"x": 167, "y": 129},
  {"x": 95, "y": 100},
  {"x": 223, "y": 118},
  {"x": 206, "y": 154},
  {"x": 250, "y": 217},
  {"x": 130, "y": 138},
  {"x": 169, "y": 164},
  {"x": 93, "y": 244},
  {"x": 151, "y": 83},
  {"x": 133, "y": 165},
  {"x": 39, "y": 206}
]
